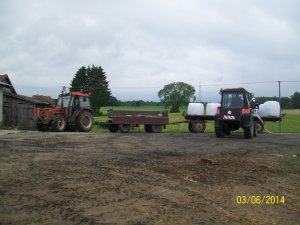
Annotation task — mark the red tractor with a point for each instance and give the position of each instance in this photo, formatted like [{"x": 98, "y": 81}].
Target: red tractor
[{"x": 73, "y": 112}]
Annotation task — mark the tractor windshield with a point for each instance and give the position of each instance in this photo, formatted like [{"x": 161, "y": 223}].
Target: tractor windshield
[
  {"x": 233, "y": 100},
  {"x": 66, "y": 101}
]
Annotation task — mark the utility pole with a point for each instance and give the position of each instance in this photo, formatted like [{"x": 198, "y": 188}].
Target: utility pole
[
  {"x": 200, "y": 91},
  {"x": 279, "y": 95}
]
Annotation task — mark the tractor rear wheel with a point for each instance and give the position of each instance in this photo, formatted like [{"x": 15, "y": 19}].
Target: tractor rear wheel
[
  {"x": 219, "y": 132},
  {"x": 85, "y": 121},
  {"x": 59, "y": 124},
  {"x": 249, "y": 131}
]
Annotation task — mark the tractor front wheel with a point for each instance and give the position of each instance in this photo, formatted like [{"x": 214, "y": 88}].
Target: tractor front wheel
[
  {"x": 85, "y": 121},
  {"x": 59, "y": 124},
  {"x": 259, "y": 126}
]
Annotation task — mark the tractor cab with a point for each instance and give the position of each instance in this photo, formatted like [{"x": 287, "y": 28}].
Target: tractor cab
[
  {"x": 237, "y": 110},
  {"x": 74, "y": 100},
  {"x": 236, "y": 98}
]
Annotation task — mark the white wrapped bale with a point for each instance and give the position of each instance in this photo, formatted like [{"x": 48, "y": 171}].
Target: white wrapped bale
[
  {"x": 269, "y": 109},
  {"x": 211, "y": 108},
  {"x": 195, "y": 109}
]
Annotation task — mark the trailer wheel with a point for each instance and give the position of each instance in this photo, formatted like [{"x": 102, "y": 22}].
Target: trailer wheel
[
  {"x": 259, "y": 126},
  {"x": 59, "y": 124},
  {"x": 113, "y": 128},
  {"x": 156, "y": 128},
  {"x": 148, "y": 128},
  {"x": 198, "y": 126},
  {"x": 124, "y": 128},
  {"x": 190, "y": 127}
]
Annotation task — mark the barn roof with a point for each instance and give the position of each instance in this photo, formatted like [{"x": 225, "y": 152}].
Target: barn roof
[
  {"x": 44, "y": 99},
  {"x": 28, "y": 99},
  {"x": 5, "y": 79}
]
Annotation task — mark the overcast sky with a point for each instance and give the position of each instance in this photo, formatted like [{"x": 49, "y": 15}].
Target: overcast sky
[{"x": 143, "y": 45}]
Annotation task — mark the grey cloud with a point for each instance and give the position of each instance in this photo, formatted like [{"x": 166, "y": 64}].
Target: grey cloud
[{"x": 150, "y": 43}]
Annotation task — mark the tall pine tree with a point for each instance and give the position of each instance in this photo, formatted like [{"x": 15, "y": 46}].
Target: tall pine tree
[{"x": 93, "y": 80}]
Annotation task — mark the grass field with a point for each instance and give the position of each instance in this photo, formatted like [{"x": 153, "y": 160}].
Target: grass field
[{"x": 289, "y": 124}]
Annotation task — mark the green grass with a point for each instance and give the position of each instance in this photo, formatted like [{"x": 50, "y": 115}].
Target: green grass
[{"x": 289, "y": 124}]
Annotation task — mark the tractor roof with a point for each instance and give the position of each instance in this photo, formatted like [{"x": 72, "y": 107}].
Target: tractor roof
[
  {"x": 80, "y": 94},
  {"x": 234, "y": 90}
]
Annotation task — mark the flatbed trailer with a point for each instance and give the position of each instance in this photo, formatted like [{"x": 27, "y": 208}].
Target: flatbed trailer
[
  {"x": 260, "y": 121},
  {"x": 197, "y": 123},
  {"x": 155, "y": 121},
  {"x": 124, "y": 120}
]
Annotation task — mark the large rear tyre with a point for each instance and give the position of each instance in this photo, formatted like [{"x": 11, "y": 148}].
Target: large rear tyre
[
  {"x": 59, "y": 124},
  {"x": 219, "y": 131},
  {"x": 198, "y": 126},
  {"x": 85, "y": 121},
  {"x": 156, "y": 128},
  {"x": 124, "y": 128},
  {"x": 249, "y": 131}
]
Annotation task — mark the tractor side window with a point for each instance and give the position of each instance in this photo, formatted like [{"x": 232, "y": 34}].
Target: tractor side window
[
  {"x": 76, "y": 101},
  {"x": 65, "y": 100},
  {"x": 84, "y": 102},
  {"x": 226, "y": 100}
]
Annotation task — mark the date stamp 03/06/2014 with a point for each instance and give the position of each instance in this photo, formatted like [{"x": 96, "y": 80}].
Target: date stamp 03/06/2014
[{"x": 260, "y": 200}]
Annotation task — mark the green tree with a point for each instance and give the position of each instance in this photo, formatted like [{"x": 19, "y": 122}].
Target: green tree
[
  {"x": 176, "y": 94},
  {"x": 285, "y": 102},
  {"x": 296, "y": 100},
  {"x": 93, "y": 80},
  {"x": 80, "y": 81}
]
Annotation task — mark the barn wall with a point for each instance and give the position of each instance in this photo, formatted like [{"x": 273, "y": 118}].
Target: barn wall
[
  {"x": 16, "y": 113},
  {"x": 1, "y": 106}
]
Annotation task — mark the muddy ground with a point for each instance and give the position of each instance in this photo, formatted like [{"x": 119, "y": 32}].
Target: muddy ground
[{"x": 140, "y": 178}]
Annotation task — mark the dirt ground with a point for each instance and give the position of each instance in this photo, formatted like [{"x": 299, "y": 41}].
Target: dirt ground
[{"x": 141, "y": 178}]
